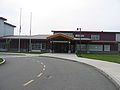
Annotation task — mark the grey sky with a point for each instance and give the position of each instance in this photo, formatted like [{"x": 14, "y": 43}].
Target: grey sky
[{"x": 62, "y": 15}]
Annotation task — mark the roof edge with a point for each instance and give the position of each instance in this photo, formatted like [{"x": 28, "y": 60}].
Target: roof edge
[
  {"x": 3, "y": 18},
  {"x": 9, "y": 24},
  {"x": 84, "y": 31}
]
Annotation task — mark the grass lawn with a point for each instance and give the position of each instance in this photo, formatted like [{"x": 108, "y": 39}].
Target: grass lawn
[
  {"x": 1, "y": 59},
  {"x": 105, "y": 57}
]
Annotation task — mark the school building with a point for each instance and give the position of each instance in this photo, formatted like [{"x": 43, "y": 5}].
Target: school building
[{"x": 60, "y": 41}]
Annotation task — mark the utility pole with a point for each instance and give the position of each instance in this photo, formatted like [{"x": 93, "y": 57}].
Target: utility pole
[
  {"x": 19, "y": 30},
  {"x": 30, "y": 46},
  {"x": 80, "y": 40}
]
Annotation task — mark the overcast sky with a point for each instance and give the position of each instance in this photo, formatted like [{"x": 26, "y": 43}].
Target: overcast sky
[{"x": 103, "y": 15}]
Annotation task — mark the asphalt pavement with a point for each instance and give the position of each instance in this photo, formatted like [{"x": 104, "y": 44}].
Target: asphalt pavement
[{"x": 43, "y": 73}]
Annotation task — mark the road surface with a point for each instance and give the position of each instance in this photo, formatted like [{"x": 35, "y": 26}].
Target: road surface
[{"x": 43, "y": 73}]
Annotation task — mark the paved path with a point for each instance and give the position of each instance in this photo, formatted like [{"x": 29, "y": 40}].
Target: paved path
[
  {"x": 112, "y": 70},
  {"x": 43, "y": 73}
]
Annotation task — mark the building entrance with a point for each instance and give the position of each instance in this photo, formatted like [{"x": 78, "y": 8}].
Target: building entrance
[{"x": 61, "y": 47}]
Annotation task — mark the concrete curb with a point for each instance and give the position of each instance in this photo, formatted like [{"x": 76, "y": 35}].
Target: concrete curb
[
  {"x": 2, "y": 62},
  {"x": 99, "y": 70}
]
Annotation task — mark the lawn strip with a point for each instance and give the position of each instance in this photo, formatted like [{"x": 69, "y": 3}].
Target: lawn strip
[{"x": 105, "y": 57}]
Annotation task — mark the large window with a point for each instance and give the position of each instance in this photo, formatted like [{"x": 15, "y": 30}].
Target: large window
[
  {"x": 68, "y": 34},
  {"x": 95, "y": 37},
  {"x": 2, "y": 46},
  {"x": 38, "y": 46},
  {"x": 96, "y": 47},
  {"x": 81, "y": 47},
  {"x": 78, "y": 35},
  {"x": 43, "y": 45},
  {"x": 106, "y": 47}
]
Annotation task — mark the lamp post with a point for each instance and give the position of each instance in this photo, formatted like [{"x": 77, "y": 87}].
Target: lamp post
[{"x": 80, "y": 40}]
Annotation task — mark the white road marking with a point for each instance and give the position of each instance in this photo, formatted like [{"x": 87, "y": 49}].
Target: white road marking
[
  {"x": 39, "y": 74},
  {"x": 28, "y": 82},
  {"x": 43, "y": 69},
  {"x": 44, "y": 66},
  {"x": 38, "y": 61},
  {"x": 42, "y": 63}
]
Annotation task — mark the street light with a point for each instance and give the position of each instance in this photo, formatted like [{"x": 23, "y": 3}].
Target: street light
[{"x": 80, "y": 40}]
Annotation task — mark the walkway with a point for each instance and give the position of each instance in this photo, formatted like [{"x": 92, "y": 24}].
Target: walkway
[{"x": 111, "y": 70}]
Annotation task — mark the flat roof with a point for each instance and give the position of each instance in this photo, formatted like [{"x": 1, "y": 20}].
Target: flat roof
[
  {"x": 84, "y": 31},
  {"x": 26, "y": 37}
]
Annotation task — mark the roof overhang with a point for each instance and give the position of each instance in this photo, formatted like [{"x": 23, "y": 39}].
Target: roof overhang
[{"x": 60, "y": 35}]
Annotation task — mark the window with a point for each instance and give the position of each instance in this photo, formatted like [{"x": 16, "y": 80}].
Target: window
[
  {"x": 2, "y": 45},
  {"x": 68, "y": 34},
  {"x": 106, "y": 47},
  {"x": 36, "y": 46},
  {"x": 95, "y": 37},
  {"x": 96, "y": 47},
  {"x": 78, "y": 36},
  {"x": 117, "y": 37},
  {"x": 83, "y": 47},
  {"x": 43, "y": 45}
]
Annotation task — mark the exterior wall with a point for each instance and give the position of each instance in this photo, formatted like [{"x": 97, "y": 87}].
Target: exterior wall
[
  {"x": 5, "y": 28},
  {"x": 107, "y": 36},
  {"x": 1, "y": 27},
  {"x": 8, "y": 30},
  {"x": 103, "y": 36}
]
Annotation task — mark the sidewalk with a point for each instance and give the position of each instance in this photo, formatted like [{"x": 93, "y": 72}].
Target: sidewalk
[{"x": 111, "y": 70}]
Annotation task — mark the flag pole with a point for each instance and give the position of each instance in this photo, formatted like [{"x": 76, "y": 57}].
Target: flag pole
[
  {"x": 30, "y": 47},
  {"x": 19, "y": 29}
]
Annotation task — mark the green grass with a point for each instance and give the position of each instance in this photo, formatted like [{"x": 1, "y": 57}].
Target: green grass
[
  {"x": 1, "y": 59},
  {"x": 21, "y": 52},
  {"x": 105, "y": 57}
]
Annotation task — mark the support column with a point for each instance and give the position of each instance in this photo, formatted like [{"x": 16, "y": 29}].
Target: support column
[
  {"x": 75, "y": 46},
  {"x": 88, "y": 48},
  {"x": 69, "y": 50},
  {"x": 50, "y": 46},
  {"x": 118, "y": 47}
]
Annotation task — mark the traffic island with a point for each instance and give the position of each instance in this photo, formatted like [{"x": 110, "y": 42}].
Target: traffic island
[{"x": 2, "y": 61}]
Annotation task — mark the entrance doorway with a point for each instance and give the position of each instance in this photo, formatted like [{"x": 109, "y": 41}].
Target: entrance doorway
[{"x": 61, "y": 47}]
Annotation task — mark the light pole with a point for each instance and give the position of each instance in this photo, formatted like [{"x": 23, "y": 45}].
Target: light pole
[{"x": 80, "y": 40}]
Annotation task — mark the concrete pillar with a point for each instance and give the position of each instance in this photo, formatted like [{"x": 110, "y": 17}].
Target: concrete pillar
[
  {"x": 69, "y": 50},
  {"x": 88, "y": 48}
]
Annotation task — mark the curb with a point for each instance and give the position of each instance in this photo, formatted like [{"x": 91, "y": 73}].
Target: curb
[
  {"x": 2, "y": 62},
  {"x": 109, "y": 77}
]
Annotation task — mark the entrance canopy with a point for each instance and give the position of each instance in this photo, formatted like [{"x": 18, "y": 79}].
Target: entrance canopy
[{"x": 60, "y": 35}]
